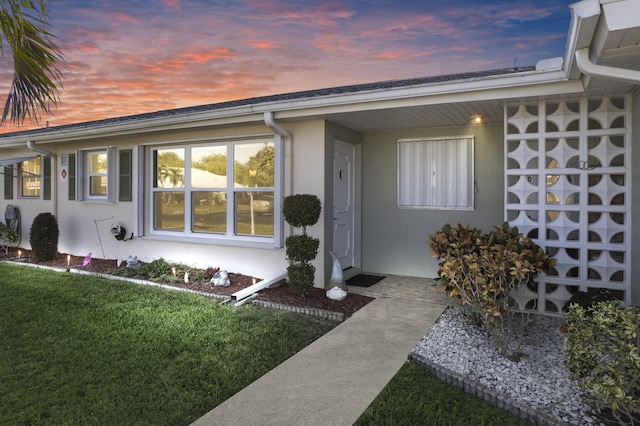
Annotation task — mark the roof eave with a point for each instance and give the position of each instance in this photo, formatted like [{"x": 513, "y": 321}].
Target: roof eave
[
  {"x": 584, "y": 20},
  {"x": 454, "y": 91}
]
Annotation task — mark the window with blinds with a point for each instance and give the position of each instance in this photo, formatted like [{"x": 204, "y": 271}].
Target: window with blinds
[{"x": 436, "y": 173}]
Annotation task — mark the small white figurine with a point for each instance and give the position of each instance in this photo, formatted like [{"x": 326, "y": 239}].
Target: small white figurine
[
  {"x": 133, "y": 262},
  {"x": 221, "y": 279},
  {"x": 336, "y": 293},
  {"x": 337, "y": 286}
]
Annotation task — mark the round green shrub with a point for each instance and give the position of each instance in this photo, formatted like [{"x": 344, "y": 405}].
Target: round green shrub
[
  {"x": 300, "y": 277},
  {"x": 44, "y": 237},
  {"x": 301, "y": 210},
  {"x": 301, "y": 248}
]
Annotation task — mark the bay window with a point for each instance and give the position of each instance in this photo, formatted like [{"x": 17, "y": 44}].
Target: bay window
[{"x": 215, "y": 190}]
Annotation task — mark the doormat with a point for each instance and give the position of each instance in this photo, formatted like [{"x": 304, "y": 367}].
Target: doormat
[{"x": 364, "y": 280}]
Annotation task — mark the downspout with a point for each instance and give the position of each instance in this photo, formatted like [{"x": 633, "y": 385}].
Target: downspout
[
  {"x": 31, "y": 145},
  {"x": 283, "y": 138},
  {"x": 594, "y": 70},
  {"x": 288, "y": 145}
]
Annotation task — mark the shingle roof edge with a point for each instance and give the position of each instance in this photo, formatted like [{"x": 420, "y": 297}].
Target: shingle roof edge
[{"x": 306, "y": 94}]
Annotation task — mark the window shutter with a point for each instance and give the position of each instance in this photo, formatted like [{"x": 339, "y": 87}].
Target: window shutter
[
  {"x": 8, "y": 183},
  {"x": 111, "y": 174},
  {"x": 46, "y": 178},
  {"x": 138, "y": 197},
  {"x": 72, "y": 177},
  {"x": 80, "y": 175},
  {"x": 125, "y": 175}
]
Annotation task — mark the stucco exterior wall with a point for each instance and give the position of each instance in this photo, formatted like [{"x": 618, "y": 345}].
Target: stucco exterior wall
[
  {"x": 85, "y": 226},
  {"x": 29, "y": 207},
  {"x": 395, "y": 241},
  {"x": 309, "y": 173}
]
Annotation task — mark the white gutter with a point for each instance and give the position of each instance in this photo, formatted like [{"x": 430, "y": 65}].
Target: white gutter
[
  {"x": 584, "y": 20},
  {"x": 594, "y": 70},
  {"x": 269, "y": 121},
  {"x": 31, "y": 145},
  {"x": 457, "y": 91}
]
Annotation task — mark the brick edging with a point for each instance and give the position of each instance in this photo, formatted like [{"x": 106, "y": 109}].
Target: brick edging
[
  {"x": 320, "y": 313},
  {"x": 489, "y": 395}
]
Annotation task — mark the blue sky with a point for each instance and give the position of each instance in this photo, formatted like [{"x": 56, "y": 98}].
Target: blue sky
[{"x": 133, "y": 56}]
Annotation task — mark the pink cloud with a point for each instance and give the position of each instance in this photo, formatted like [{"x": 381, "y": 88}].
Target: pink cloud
[
  {"x": 174, "y": 4},
  {"x": 263, "y": 45},
  {"x": 206, "y": 55},
  {"x": 88, "y": 47},
  {"x": 119, "y": 17}
]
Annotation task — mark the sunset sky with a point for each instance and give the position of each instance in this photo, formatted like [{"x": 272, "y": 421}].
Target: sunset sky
[{"x": 134, "y": 56}]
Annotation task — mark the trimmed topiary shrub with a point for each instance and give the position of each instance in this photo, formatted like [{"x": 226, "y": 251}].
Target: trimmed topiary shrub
[
  {"x": 301, "y": 277},
  {"x": 602, "y": 352},
  {"x": 300, "y": 211},
  {"x": 43, "y": 237},
  {"x": 301, "y": 248}
]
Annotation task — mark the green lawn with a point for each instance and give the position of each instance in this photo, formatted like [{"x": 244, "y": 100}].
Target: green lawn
[
  {"x": 76, "y": 349},
  {"x": 416, "y": 397},
  {"x": 82, "y": 350}
]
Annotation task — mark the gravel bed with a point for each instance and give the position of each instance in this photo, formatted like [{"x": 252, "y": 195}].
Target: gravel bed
[{"x": 536, "y": 387}]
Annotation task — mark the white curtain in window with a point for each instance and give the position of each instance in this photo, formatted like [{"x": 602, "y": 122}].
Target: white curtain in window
[{"x": 435, "y": 173}]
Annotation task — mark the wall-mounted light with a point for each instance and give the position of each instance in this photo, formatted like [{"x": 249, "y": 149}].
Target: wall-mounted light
[{"x": 477, "y": 119}]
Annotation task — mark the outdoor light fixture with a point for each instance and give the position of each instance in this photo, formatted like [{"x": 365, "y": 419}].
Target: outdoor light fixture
[{"x": 477, "y": 119}]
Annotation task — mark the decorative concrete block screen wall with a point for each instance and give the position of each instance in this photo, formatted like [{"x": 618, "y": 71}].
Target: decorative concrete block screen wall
[{"x": 567, "y": 186}]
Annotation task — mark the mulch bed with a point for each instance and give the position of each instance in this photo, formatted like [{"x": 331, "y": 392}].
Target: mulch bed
[{"x": 314, "y": 299}]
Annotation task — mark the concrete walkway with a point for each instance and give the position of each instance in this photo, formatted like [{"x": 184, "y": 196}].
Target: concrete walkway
[{"x": 333, "y": 380}]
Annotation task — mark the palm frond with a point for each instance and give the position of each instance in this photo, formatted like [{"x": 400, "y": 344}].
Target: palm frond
[{"x": 37, "y": 60}]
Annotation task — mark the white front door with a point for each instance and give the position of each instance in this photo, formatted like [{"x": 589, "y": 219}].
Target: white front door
[{"x": 343, "y": 208}]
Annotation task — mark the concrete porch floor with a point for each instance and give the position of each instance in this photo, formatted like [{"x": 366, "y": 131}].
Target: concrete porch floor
[{"x": 405, "y": 288}]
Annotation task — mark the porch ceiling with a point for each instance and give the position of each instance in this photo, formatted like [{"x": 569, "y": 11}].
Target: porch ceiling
[
  {"x": 424, "y": 116},
  {"x": 429, "y": 116}
]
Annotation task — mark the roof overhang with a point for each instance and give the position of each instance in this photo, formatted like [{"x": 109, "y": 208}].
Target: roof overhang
[
  {"x": 603, "y": 46},
  {"x": 6, "y": 162},
  {"x": 549, "y": 80}
]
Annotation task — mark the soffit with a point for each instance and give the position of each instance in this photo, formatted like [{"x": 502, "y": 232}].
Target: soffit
[
  {"x": 429, "y": 116},
  {"x": 615, "y": 43}
]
